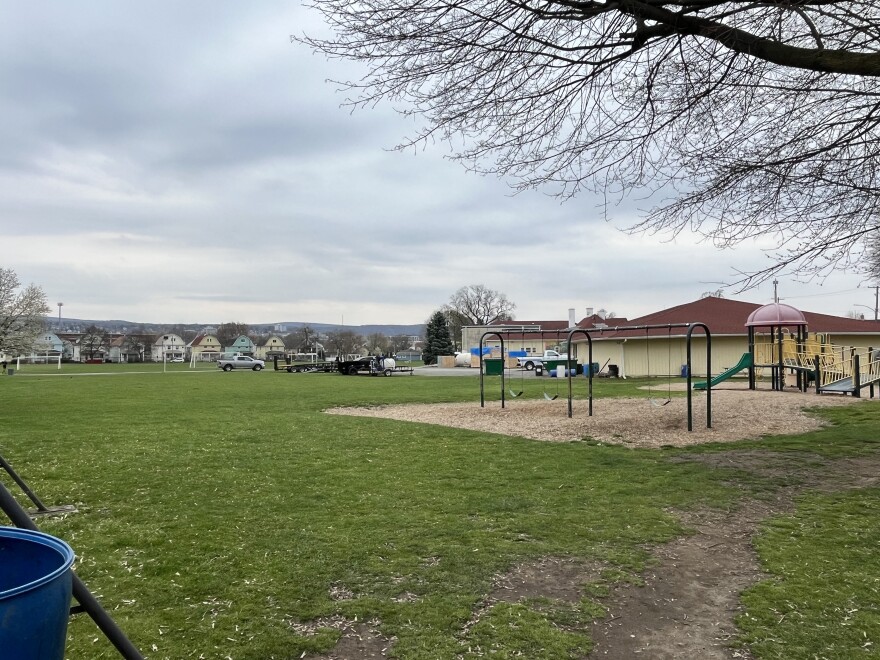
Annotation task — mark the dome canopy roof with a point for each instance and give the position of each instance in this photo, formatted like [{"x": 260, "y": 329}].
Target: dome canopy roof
[{"x": 775, "y": 314}]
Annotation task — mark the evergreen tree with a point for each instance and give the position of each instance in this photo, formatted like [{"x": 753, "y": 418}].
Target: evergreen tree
[{"x": 437, "y": 340}]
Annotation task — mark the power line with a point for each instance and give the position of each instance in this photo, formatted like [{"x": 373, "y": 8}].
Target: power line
[{"x": 829, "y": 293}]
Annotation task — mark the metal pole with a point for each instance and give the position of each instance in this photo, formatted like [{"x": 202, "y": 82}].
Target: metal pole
[
  {"x": 21, "y": 484},
  {"x": 84, "y": 597},
  {"x": 690, "y": 331},
  {"x": 482, "y": 395},
  {"x": 589, "y": 366}
]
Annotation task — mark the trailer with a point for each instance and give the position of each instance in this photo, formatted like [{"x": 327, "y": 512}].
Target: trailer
[
  {"x": 306, "y": 367},
  {"x": 373, "y": 366},
  {"x": 366, "y": 365}
]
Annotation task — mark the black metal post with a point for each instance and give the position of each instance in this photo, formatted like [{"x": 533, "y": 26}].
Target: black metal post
[
  {"x": 690, "y": 331},
  {"x": 780, "y": 374},
  {"x": 21, "y": 484},
  {"x": 482, "y": 395},
  {"x": 857, "y": 376},
  {"x": 752, "y": 351},
  {"x": 589, "y": 366},
  {"x": 84, "y": 597}
]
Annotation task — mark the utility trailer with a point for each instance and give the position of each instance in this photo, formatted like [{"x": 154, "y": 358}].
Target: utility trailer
[
  {"x": 371, "y": 365},
  {"x": 305, "y": 367}
]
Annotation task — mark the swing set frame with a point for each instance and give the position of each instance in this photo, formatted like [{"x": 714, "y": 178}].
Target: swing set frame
[{"x": 587, "y": 333}]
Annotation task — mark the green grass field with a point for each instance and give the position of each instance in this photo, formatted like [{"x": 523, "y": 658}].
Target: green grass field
[{"x": 217, "y": 512}]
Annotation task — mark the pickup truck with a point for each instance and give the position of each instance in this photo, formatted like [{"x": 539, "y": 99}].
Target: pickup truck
[
  {"x": 530, "y": 361},
  {"x": 240, "y": 362}
]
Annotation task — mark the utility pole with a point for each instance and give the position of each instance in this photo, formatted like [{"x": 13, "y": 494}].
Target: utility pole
[{"x": 876, "y": 301}]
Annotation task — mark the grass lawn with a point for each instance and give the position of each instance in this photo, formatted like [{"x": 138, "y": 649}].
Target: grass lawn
[{"x": 217, "y": 512}]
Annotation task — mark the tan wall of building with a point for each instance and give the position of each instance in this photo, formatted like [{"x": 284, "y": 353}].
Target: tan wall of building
[{"x": 638, "y": 357}]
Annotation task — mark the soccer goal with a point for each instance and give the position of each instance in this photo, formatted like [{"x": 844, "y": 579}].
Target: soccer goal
[
  {"x": 46, "y": 361},
  {"x": 204, "y": 360}
]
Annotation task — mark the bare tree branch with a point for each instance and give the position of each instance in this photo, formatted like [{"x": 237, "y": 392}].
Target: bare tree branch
[{"x": 738, "y": 119}]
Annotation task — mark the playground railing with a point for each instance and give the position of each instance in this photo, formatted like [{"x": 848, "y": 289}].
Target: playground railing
[
  {"x": 869, "y": 367},
  {"x": 834, "y": 366}
]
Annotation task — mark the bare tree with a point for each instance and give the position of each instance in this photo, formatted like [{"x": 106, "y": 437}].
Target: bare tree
[
  {"x": 22, "y": 314},
  {"x": 92, "y": 342},
  {"x": 378, "y": 343},
  {"x": 134, "y": 345},
  {"x": 344, "y": 342},
  {"x": 743, "y": 119},
  {"x": 873, "y": 259},
  {"x": 477, "y": 305},
  {"x": 227, "y": 333},
  {"x": 400, "y": 343},
  {"x": 302, "y": 339}
]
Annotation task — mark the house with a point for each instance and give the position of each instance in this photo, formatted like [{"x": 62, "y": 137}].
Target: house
[
  {"x": 242, "y": 345},
  {"x": 166, "y": 347},
  {"x": 204, "y": 347},
  {"x": 663, "y": 351},
  {"x": 48, "y": 345},
  {"x": 272, "y": 347},
  {"x": 130, "y": 348}
]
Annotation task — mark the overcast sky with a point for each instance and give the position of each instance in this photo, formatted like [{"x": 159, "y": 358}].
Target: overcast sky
[{"x": 183, "y": 162}]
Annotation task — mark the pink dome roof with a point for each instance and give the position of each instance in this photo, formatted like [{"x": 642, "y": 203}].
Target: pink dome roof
[{"x": 775, "y": 314}]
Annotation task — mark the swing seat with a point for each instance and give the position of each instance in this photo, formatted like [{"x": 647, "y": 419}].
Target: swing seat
[
  {"x": 514, "y": 394},
  {"x": 659, "y": 403},
  {"x": 551, "y": 398}
]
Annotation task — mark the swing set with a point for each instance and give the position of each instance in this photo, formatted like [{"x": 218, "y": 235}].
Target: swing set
[
  {"x": 516, "y": 390},
  {"x": 654, "y": 400},
  {"x": 587, "y": 333}
]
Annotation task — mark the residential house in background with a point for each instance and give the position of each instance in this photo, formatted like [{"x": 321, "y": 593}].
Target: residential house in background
[
  {"x": 48, "y": 345},
  {"x": 167, "y": 346},
  {"x": 242, "y": 345},
  {"x": 130, "y": 348},
  {"x": 272, "y": 347},
  {"x": 204, "y": 347}
]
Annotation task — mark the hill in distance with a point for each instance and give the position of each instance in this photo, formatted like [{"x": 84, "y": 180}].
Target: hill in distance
[{"x": 116, "y": 325}]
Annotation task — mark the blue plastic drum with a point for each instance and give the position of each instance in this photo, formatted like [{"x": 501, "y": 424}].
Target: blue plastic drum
[{"x": 35, "y": 589}]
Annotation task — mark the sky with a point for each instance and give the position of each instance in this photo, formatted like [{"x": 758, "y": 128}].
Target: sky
[{"x": 172, "y": 162}]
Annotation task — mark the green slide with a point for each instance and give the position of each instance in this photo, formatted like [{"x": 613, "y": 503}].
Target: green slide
[{"x": 744, "y": 363}]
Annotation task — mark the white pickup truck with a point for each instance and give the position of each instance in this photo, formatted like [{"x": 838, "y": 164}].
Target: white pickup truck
[
  {"x": 530, "y": 361},
  {"x": 240, "y": 362}
]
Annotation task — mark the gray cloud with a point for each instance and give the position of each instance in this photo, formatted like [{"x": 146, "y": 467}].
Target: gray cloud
[{"x": 185, "y": 162}]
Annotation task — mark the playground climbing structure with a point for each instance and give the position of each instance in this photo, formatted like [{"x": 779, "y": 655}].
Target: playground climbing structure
[{"x": 810, "y": 358}]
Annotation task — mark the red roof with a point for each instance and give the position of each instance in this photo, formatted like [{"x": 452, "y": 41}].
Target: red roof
[
  {"x": 724, "y": 316},
  {"x": 553, "y": 327}
]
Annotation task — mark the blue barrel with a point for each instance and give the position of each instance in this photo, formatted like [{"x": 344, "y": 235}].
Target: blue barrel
[{"x": 35, "y": 589}]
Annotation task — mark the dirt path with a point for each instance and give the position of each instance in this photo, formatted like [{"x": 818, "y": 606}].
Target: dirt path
[{"x": 686, "y": 606}]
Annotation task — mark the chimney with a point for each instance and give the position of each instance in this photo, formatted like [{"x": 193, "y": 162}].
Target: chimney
[
  {"x": 589, "y": 311},
  {"x": 602, "y": 314},
  {"x": 571, "y": 320}
]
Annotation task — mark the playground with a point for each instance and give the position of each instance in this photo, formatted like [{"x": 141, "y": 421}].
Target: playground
[
  {"x": 738, "y": 414},
  {"x": 221, "y": 516}
]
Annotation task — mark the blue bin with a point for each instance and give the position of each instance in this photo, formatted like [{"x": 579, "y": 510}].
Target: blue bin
[{"x": 35, "y": 590}]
